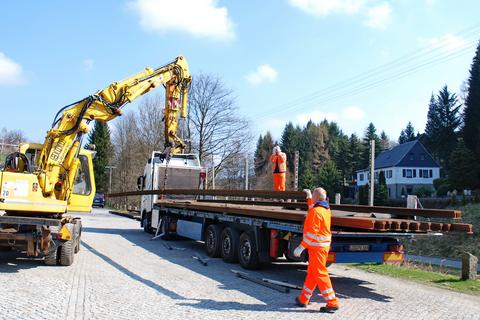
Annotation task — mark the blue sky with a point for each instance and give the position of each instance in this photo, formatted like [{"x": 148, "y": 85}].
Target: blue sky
[{"x": 285, "y": 60}]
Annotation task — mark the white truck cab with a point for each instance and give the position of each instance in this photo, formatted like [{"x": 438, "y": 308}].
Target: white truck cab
[{"x": 183, "y": 171}]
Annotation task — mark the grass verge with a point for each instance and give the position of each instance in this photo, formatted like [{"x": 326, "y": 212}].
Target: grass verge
[{"x": 417, "y": 274}]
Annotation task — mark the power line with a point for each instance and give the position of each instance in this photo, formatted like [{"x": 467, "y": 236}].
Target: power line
[{"x": 404, "y": 62}]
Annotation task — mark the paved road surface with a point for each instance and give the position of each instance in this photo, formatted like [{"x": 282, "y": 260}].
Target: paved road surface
[{"x": 121, "y": 274}]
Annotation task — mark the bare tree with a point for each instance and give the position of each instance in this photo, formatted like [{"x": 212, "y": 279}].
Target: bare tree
[
  {"x": 217, "y": 131},
  {"x": 150, "y": 124}
]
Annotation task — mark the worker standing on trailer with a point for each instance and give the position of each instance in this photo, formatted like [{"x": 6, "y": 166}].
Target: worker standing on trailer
[
  {"x": 317, "y": 238},
  {"x": 279, "y": 167}
]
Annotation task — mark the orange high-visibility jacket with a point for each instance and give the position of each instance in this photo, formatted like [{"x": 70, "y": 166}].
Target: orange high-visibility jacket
[
  {"x": 316, "y": 228},
  {"x": 279, "y": 160}
]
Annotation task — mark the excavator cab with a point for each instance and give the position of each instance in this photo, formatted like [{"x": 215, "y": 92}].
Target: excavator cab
[{"x": 26, "y": 161}]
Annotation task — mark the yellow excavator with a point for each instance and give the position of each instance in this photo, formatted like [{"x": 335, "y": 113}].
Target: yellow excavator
[{"x": 42, "y": 182}]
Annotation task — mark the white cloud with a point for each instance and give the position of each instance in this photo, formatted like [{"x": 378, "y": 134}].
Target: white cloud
[
  {"x": 262, "y": 74},
  {"x": 326, "y": 7},
  {"x": 10, "y": 71},
  {"x": 447, "y": 42},
  {"x": 88, "y": 64},
  {"x": 379, "y": 16},
  {"x": 201, "y": 18},
  {"x": 353, "y": 113}
]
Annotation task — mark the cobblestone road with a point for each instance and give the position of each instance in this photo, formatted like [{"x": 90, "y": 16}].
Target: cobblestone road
[{"x": 121, "y": 274}]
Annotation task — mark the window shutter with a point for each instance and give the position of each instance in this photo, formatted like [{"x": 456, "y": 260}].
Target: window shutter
[
  {"x": 420, "y": 173},
  {"x": 404, "y": 173},
  {"x": 414, "y": 173},
  {"x": 431, "y": 173}
]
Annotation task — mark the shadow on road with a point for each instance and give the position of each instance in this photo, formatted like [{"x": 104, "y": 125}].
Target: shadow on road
[
  {"x": 14, "y": 261},
  {"x": 345, "y": 287}
]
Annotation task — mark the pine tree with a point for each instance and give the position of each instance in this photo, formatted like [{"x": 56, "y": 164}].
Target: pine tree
[
  {"x": 471, "y": 116},
  {"x": 433, "y": 127},
  {"x": 464, "y": 174},
  {"x": 385, "y": 141},
  {"x": 354, "y": 155},
  {"x": 381, "y": 191},
  {"x": 307, "y": 179},
  {"x": 448, "y": 110},
  {"x": 100, "y": 137},
  {"x": 330, "y": 178},
  {"x": 370, "y": 134},
  {"x": 262, "y": 154},
  {"x": 407, "y": 134}
]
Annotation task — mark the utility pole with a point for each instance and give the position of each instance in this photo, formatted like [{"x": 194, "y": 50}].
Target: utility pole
[
  {"x": 110, "y": 177},
  {"x": 295, "y": 164},
  {"x": 372, "y": 172}
]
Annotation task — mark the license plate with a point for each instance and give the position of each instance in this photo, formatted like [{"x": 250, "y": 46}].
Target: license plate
[{"x": 359, "y": 247}]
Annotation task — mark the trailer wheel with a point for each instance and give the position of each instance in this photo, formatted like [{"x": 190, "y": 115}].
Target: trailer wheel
[
  {"x": 51, "y": 258},
  {"x": 146, "y": 221},
  {"x": 248, "y": 251},
  {"x": 213, "y": 239},
  {"x": 67, "y": 253},
  {"x": 229, "y": 249}
]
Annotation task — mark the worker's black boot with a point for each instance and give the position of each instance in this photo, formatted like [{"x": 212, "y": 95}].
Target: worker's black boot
[
  {"x": 328, "y": 309},
  {"x": 299, "y": 303}
]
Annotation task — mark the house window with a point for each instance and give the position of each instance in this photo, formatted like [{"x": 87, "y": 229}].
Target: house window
[
  {"x": 422, "y": 156},
  {"x": 423, "y": 173},
  {"x": 376, "y": 175},
  {"x": 388, "y": 174},
  {"x": 409, "y": 189},
  {"x": 407, "y": 173},
  {"x": 411, "y": 155},
  {"x": 361, "y": 176}
]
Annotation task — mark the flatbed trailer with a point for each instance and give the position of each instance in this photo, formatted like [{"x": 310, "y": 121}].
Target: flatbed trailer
[{"x": 257, "y": 235}]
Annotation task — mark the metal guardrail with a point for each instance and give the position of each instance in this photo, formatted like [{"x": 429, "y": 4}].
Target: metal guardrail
[{"x": 454, "y": 264}]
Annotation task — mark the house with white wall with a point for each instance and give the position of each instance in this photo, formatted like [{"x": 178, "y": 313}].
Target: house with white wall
[{"x": 407, "y": 167}]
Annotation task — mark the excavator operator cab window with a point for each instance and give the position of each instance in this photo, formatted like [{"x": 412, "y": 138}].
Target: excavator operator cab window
[{"x": 83, "y": 185}]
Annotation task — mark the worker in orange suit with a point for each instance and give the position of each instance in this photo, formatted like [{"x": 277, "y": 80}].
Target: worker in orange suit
[
  {"x": 316, "y": 239},
  {"x": 279, "y": 167}
]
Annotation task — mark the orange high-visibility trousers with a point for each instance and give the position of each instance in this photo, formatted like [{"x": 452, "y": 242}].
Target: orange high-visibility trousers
[
  {"x": 279, "y": 181},
  {"x": 317, "y": 275}
]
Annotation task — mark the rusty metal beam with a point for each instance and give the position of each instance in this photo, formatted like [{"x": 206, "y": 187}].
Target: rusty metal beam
[
  {"x": 428, "y": 213},
  {"x": 293, "y": 195}
]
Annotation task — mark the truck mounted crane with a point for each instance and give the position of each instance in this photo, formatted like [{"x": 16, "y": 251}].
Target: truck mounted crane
[{"x": 42, "y": 182}]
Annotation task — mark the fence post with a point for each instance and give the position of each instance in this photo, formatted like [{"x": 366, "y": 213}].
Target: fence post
[{"x": 469, "y": 266}]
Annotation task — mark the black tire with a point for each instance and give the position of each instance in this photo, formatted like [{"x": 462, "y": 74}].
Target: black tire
[
  {"x": 147, "y": 220},
  {"x": 229, "y": 245},
  {"x": 67, "y": 253},
  {"x": 248, "y": 251},
  {"x": 213, "y": 239},
  {"x": 51, "y": 259}
]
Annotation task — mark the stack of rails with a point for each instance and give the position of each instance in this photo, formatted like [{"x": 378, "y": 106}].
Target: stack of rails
[{"x": 349, "y": 217}]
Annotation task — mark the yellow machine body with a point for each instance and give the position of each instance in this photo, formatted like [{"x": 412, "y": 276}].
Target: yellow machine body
[{"x": 57, "y": 176}]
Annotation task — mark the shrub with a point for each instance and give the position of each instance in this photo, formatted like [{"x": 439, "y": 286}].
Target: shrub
[
  {"x": 423, "y": 192},
  {"x": 442, "y": 190},
  {"x": 438, "y": 182}
]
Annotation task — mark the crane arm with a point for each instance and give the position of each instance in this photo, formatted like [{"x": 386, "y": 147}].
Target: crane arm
[{"x": 58, "y": 161}]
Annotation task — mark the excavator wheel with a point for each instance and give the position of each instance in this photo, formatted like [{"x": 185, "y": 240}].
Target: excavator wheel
[
  {"x": 51, "y": 258},
  {"x": 67, "y": 252}
]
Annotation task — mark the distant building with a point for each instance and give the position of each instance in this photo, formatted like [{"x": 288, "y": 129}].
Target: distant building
[{"x": 407, "y": 167}]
